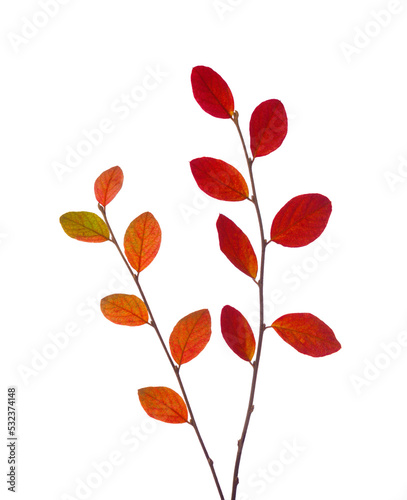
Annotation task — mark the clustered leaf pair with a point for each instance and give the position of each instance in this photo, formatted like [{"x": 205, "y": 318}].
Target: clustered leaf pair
[{"x": 299, "y": 222}]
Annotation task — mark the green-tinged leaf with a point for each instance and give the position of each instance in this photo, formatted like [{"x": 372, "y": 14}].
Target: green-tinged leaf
[{"x": 85, "y": 226}]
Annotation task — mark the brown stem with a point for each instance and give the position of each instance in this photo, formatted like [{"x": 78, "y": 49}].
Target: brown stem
[
  {"x": 262, "y": 326},
  {"x": 173, "y": 365}
]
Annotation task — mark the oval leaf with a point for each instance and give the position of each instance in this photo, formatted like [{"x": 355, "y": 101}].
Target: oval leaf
[
  {"x": 211, "y": 92},
  {"x": 163, "y": 404},
  {"x": 85, "y": 226},
  {"x": 124, "y": 309},
  {"x": 237, "y": 333},
  {"x": 142, "y": 241},
  {"x": 301, "y": 220},
  {"x": 108, "y": 184},
  {"x": 268, "y": 127},
  {"x": 190, "y": 336},
  {"x": 219, "y": 179},
  {"x": 306, "y": 333},
  {"x": 236, "y": 246}
]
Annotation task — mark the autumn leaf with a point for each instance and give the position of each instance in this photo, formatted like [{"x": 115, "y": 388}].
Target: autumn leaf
[
  {"x": 85, "y": 226},
  {"x": 142, "y": 241},
  {"x": 237, "y": 333},
  {"x": 268, "y": 127},
  {"x": 163, "y": 404},
  {"x": 211, "y": 92},
  {"x": 307, "y": 333},
  {"x": 124, "y": 309},
  {"x": 108, "y": 184},
  {"x": 219, "y": 179},
  {"x": 190, "y": 336},
  {"x": 301, "y": 220},
  {"x": 236, "y": 246}
]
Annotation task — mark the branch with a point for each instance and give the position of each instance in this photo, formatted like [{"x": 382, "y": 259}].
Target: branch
[
  {"x": 262, "y": 326},
  {"x": 173, "y": 365}
]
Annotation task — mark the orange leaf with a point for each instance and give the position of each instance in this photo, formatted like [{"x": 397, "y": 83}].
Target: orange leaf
[
  {"x": 142, "y": 241},
  {"x": 301, "y": 220},
  {"x": 219, "y": 179},
  {"x": 124, "y": 309},
  {"x": 211, "y": 92},
  {"x": 163, "y": 404},
  {"x": 237, "y": 333},
  {"x": 190, "y": 336},
  {"x": 108, "y": 184},
  {"x": 307, "y": 333},
  {"x": 268, "y": 127},
  {"x": 85, "y": 226},
  {"x": 236, "y": 246}
]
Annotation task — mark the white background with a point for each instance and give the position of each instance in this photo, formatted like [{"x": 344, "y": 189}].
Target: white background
[{"x": 346, "y": 140}]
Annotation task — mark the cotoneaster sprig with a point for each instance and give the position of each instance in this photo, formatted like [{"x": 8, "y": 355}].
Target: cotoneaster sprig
[{"x": 299, "y": 222}]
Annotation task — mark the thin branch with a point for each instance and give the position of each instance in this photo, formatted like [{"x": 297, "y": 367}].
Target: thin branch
[
  {"x": 262, "y": 326},
  {"x": 173, "y": 365}
]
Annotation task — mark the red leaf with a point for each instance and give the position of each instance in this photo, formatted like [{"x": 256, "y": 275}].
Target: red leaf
[
  {"x": 268, "y": 127},
  {"x": 236, "y": 246},
  {"x": 124, "y": 309},
  {"x": 301, "y": 220},
  {"x": 108, "y": 184},
  {"x": 190, "y": 336},
  {"x": 163, "y": 404},
  {"x": 219, "y": 179},
  {"x": 211, "y": 92},
  {"x": 306, "y": 333},
  {"x": 237, "y": 333},
  {"x": 142, "y": 241}
]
